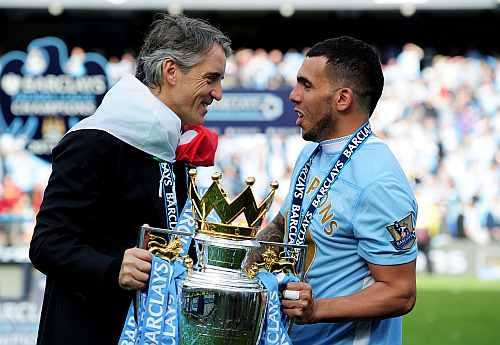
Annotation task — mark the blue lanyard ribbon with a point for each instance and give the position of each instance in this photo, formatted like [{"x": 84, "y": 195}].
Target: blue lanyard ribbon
[
  {"x": 297, "y": 225},
  {"x": 129, "y": 331},
  {"x": 167, "y": 192},
  {"x": 170, "y": 331}
]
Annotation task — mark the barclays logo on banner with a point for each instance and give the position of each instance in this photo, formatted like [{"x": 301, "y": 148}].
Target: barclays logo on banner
[
  {"x": 45, "y": 91},
  {"x": 250, "y": 107}
]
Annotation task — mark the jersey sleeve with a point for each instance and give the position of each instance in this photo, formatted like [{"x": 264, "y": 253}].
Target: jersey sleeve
[{"x": 384, "y": 222}]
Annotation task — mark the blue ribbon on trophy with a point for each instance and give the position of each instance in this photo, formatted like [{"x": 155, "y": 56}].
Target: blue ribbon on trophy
[
  {"x": 275, "y": 324},
  {"x": 158, "y": 312},
  {"x": 157, "y": 303},
  {"x": 189, "y": 304}
]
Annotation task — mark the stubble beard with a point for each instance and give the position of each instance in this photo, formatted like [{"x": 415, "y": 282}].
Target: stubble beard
[{"x": 325, "y": 124}]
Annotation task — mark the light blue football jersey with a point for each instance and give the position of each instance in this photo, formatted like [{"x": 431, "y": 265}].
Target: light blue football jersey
[{"x": 369, "y": 215}]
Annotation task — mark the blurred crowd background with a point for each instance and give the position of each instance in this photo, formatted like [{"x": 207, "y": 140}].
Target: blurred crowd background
[{"x": 439, "y": 114}]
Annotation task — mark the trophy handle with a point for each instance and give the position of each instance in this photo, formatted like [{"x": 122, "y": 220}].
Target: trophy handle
[
  {"x": 301, "y": 249},
  {"x": 146, "y": 229},
  {"x": 297, "y": 260},
  {"x": 147, "y": 232}
]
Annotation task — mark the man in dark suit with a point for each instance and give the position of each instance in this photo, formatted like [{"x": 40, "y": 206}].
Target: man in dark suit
[{"x": 106, "y": 177}]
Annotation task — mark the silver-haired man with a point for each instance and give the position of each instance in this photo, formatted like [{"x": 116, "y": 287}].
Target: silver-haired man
[{"x": 106, "y": 177}]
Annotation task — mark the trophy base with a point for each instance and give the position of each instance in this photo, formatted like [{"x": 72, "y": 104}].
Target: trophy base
[
  {"x": 199, "y": 335},
  {"x": 214, "y": 313}
]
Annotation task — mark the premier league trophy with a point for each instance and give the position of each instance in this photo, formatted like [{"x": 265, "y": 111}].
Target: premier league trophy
[{"x": 221, "y": 302}]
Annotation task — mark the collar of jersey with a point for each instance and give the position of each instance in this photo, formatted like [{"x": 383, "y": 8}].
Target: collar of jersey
[{"x": 331, "y": 146}]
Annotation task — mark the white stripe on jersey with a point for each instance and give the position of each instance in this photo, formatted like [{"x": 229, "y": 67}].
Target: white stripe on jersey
[
  {"x": 363, "y": 328},
  {"x": 362, "y": 333}
]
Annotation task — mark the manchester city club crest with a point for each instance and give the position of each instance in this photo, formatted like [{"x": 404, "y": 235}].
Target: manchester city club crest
[{"x": 403, "y": 233}]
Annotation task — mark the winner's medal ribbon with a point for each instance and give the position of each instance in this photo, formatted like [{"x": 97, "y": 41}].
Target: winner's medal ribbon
[
  {"x": 298, "y": 223},
  {"x": 186, "y": 225},
  {"x": 129, "y": 331},
  {"x": 167, "y": 192}
]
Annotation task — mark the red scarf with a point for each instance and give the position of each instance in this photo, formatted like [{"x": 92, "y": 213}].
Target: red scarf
[{"x": 197, "y": 146}]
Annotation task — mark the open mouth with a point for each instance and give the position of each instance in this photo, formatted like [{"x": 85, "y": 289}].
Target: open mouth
[{"x": 300, "y": 116}]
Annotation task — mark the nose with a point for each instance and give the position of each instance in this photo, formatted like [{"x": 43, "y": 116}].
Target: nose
[
  {"x": 295, "y": 96},
  {"x": 216, "y": 93}
]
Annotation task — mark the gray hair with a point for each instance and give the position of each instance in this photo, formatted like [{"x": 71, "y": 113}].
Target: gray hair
[{"x": 179, "y": 38}]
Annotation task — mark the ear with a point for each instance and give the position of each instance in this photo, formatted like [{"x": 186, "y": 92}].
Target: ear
[
  {"x": 343, "y": 99},
  {"x": 170, "y": 71}
]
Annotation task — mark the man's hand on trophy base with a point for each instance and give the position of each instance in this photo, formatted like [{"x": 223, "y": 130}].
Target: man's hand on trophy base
[
  {"x": 302, "y": 310},
  {"x": 134, "y": 272}
]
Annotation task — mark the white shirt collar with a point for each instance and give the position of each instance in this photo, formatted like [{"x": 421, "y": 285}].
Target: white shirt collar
[{"x": 331, "y": 146}]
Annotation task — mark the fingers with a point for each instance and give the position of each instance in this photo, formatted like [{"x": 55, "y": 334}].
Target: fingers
[
  {"x": 297, "y": 291},
  {"x": 135, "y": 268},
  {"x": 298, "y": 286},
  {"x": 300, "y": 304},
  {"x": 295, "y": 313},
  {"x": 140, "y": 253},
  {"x": 302, "y": 309},
  {"x": 303, "y": 302}
]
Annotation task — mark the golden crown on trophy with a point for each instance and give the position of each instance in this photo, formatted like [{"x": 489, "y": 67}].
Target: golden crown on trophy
[{"x": 232, "y": 224}]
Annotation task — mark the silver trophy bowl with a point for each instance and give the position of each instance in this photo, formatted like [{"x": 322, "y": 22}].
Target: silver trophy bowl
[
  {"x": 220, "y": 304},
  {"x": 221, "y": 301}
]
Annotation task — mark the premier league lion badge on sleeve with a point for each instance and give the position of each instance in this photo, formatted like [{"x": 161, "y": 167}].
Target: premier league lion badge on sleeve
[{"x": 403, "y": 233}]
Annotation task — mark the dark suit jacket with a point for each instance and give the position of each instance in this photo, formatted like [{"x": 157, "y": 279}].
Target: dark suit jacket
[{"x": 100, "y": 192}]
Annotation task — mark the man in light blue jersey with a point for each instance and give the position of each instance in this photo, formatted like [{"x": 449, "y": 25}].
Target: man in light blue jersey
[{"x": 350, "y": 202}]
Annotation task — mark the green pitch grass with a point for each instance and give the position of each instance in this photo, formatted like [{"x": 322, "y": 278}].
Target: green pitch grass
[{"x": 454, "y": 311}]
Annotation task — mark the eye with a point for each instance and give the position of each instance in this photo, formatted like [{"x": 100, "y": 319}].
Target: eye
[{"x": 213, "y": 78}]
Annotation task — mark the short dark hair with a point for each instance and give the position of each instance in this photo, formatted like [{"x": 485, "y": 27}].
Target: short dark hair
[
  {"x": 184, "y": 40},
  {"x": 355, "y": 63}
]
